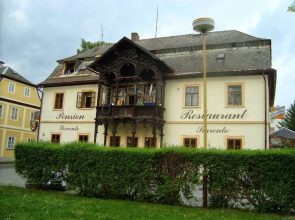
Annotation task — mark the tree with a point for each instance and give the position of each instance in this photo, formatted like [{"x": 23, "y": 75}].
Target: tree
[
  {"x": 86, "y": 45},
  {"x": 289, "y": 120},
  {"x": 291, "y": 8}
]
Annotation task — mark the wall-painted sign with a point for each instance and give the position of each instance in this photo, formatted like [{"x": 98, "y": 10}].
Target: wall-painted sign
[
  {"x": 223, "y": 130},
  {"x": 74, "y": 116},
  {"x": 63, "y": 128},
  {"x": 190, "y": 114}
]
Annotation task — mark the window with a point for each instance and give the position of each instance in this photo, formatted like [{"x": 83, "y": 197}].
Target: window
[
  {"x": 32, "y": 116},
  {"x": 129, "y": 142},
  {"x": 103, "y": 96},
  {"x": 30, "y": 140},
  {"x": 55, "y": 138},
  {"x": 115, "y": 141},
  {"x": 140, "y": 95},
  {"x": 234, "y": 95},
  {"x": 11, "y": 87},
  {"x": 83, "y": 138},
  {"x": 85, "y": 99},
  {"x": 128, "y": 70},
  {"x": 58, "y": 103},
  {"x": 148, "y": 142},
  {"x": 1, "y": 110},
  {"x": 11, "y": 143},
  {"x": 234, "y": 143},
  {"x": 27, "y": 92},
  {"x": 14, "y": 113},
  {"x": 130, "y": 95},
  {"x": 121, "y": 96},
  {"x": 190, "y": 142},
  {"x": 69, "y": 68},
  {"x": 150, "y": 94},
  {"x": 191, "y": 96}
]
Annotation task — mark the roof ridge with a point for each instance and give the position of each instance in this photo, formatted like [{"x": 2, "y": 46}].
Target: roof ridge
[{"x": 174, "y": 36}]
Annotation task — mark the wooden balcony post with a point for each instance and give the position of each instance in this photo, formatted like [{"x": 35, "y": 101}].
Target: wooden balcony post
[
  {"x": 161, "y": 134},
  {"x": 134, "y": 125},
  {"x": 114, "y": 131},
  {"x": 154, "y": 134}
]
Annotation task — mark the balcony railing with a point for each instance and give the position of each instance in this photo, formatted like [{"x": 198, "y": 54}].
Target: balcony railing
[{"x": 130, "y": 111}]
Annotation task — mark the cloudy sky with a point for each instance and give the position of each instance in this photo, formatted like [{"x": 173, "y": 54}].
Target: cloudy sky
[{"x": 34, "y": 34}]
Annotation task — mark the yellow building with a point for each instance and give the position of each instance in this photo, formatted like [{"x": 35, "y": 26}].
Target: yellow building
[{"x": 19, "y": 100}]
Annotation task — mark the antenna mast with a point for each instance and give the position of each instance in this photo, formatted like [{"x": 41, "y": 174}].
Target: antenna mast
[
  {"x": 101, "y": 30},
  {"x": 157, "y": 22}
]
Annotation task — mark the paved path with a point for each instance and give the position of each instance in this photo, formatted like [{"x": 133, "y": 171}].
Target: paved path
[{"x": 8, "y": 176}]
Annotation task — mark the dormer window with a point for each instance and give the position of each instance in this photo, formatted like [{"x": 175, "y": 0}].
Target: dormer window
[{"x": 69, "y": 68}]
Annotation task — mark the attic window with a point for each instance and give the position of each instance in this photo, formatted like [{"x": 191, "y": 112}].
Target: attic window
[
  {"x": 220, "y": 56},
  {"x": 69, "y": 68}
]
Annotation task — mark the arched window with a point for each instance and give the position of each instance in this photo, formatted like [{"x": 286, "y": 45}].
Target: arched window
[
  {"x": 147, "y": 75},
  {"x": 127, "y": 69},
  {"x": 110, "y": 78}
]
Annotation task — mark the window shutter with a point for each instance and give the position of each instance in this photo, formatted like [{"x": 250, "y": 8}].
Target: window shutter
[{"x": 79, "y": 100}]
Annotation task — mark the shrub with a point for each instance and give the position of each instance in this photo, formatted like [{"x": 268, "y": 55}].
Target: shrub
[{"x": 260, "y": 180}]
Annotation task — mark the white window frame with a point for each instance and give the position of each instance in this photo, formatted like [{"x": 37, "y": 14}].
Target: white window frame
[
  {"x": 198, "y": 96},
  {"x": 11, "y": 87},
  {"x": 14, "y": 113},
  {"x": 10, "y": 142},
  {"x": 27, "y": 92},
  {"x": 241, "y": 84}
]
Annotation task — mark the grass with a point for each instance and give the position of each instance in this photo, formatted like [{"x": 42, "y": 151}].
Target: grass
[{"x": 19, "y": 203}]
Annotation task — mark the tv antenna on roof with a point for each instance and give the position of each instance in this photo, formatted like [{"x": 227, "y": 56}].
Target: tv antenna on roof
[
  {"x": 101, "y": 30},
  {"x": 157, "y": 22}
]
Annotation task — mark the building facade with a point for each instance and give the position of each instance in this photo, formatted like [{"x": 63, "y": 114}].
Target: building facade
[
  {"x": 149, "y": 93},
  {"x": 19, "y": 100}
]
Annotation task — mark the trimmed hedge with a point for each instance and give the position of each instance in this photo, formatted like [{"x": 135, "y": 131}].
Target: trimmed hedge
[{"x": 260, "y": 180}]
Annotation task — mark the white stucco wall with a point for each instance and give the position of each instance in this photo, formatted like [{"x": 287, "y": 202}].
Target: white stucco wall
[
  {"x": 51, "y": 122},
  {"x": 250, "y": 127}
]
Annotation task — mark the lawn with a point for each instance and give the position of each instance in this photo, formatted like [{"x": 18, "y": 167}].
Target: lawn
[{"x": 19, "y": 203}]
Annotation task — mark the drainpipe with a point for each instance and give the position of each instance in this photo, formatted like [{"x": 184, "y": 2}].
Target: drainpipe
[
  {"x": 38, "y": 132},
  {"x": 265, "y": 112},
  {"x": 96, "y": 113}
]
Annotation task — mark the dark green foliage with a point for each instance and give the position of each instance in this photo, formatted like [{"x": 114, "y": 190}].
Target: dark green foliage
[
  {"x": 291, "y": 8},
  {"x": 86, "y": 45},
  {"x": 289, "y": 120},
  {"x": 260, "y": 180}
]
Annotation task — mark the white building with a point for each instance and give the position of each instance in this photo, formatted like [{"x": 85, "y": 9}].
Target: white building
[{"x": 148, "y": 93}]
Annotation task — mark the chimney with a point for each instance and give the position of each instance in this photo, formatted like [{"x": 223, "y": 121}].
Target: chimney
[{"x": 134, "y": 36}]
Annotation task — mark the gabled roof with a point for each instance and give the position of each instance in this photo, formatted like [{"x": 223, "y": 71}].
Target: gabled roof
[
  {"x": 179, "y": 41},
  {"x": 128, "y": 41},
  {"x": 284, "y": 133},
  {"x": 240, "y": 53},
  {"x": 7, "y": 72}
]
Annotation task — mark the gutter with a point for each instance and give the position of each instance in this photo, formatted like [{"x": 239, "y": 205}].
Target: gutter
[
  {"x": 38, "y": 132},
  {"x": 265, "y": 112}
]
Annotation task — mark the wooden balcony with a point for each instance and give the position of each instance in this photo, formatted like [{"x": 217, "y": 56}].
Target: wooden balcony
[{"x": 130, "y": 112}]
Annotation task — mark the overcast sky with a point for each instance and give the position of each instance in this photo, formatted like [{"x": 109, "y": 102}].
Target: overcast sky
[{"x": 34, "y": 34}]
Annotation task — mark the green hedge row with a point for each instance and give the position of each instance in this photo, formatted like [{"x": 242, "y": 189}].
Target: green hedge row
[{"x": 260, "y": 180}]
